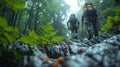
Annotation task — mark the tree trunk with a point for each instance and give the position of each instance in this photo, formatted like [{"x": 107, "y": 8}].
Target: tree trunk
[
  {"x": 27, "y": 26},
  {"x": 14, "y": 20},
  {"x": 36, "y": 18},
  {"x": 9, "y": 14},
  {"x": 18, "y": 18}
]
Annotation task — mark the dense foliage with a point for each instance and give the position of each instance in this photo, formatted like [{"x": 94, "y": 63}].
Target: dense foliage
[{"x": 113, "y": 22}]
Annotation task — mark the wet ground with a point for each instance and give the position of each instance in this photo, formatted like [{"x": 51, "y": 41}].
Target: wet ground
[{"x": 101, "y": 51}]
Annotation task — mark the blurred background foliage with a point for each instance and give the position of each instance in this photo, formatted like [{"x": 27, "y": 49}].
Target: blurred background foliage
[{"x": 19, "y": 16}]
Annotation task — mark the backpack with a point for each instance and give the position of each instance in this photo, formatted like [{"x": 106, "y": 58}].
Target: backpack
[{"x": 90, "y": 11}]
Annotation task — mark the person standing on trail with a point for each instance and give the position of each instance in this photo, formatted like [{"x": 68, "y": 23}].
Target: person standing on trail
[
  {"x": 73, "y": 24},
  {"x": 90, "y": 19}
]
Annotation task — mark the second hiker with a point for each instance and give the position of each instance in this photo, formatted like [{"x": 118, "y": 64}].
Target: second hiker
[{"x": 73, "y": 25}]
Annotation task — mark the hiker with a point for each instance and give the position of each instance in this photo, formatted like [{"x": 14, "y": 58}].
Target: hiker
[
  {"x": 73, "y": 24},
  {"x": 90, "y": 19}
]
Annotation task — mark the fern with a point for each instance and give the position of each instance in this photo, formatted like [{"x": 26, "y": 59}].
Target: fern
[
  {"x": 49, "y": 36},
  {"x": 57, "y": 39},
  {"x": 31, "y": 39},
  {"x": 46, "y": 28}
]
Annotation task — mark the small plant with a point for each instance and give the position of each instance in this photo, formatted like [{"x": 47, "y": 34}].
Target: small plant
[{"x": 48, "y": 36}]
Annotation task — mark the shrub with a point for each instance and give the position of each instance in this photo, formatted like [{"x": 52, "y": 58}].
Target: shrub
[{"x": 113, "y": 22}]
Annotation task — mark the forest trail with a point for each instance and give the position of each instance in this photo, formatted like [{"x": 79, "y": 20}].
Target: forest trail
[
  {"x": 97, "y": 52},
  {"x": 73, "y": 46}
]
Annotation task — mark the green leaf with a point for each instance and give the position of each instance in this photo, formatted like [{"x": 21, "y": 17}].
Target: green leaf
[
  {"x": 47, "y": 28},
  {"x": 26, "y": 40},
  {"x": 3, "y": 22}
]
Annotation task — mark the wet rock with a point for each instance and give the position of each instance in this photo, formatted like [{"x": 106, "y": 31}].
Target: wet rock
[
  {"x": 39, "y": 54},
  {"x": 109, "y": 60},
  {"x": 55, "y": 51},
  {"x": 79, "y": 61},
  {"x": 30, "y": 61},
  {"x": 118, "y": 55},
  {"x": 70, "y": 62},
  {"x": 98, "y": 39},
  {"x": 35, "y": 62},
  {"x": 73, "y": 49}
]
